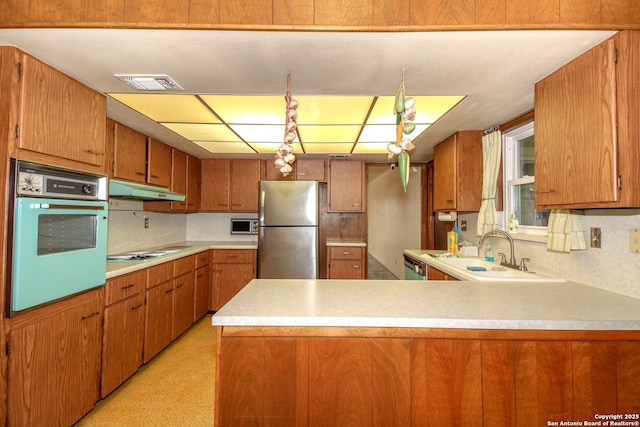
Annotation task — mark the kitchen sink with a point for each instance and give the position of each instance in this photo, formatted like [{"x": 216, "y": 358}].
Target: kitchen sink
[{"x": 482, "y": 270}]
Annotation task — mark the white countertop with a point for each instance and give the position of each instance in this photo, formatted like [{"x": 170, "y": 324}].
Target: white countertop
[
  {"x": 117, "y": 268},
  {"x": 430, "y": 304}
]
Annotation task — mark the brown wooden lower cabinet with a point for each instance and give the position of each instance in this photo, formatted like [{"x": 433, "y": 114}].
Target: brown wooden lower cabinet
[
  {"x": 231, "y": 270},
  {"x": 415, "y": 378},
  {"x": 54, "y": 362},
  {"x": 435, "y": 274}
]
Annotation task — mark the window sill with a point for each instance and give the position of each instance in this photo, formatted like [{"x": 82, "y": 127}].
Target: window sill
[{"x": 529, "y": 238}]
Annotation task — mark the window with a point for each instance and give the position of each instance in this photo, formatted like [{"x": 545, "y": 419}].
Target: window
[{"x": 519, "y": 176}]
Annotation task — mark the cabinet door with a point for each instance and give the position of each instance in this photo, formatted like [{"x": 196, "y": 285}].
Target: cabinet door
[
  {"x": 214, "y": 185},
  {"x": 346, "y": 269},
  {"x": 179, "y": 178},
  {"x": 183, "y": 299},
  {"x": 122, "y": 342},
  {"x": 445, "y": 175},
  {"x": 245, "y": 175},
  {"x": 310, "y": 170},
  {"x": 158, "y": 319},
  {"x": 193, "y": 184},
  {"x": 227, "y": 280},
  {"x": 346, "y": 186},
  {"x": 575, "y": 131},
  {"x": 129, "y": 154},
  {"x": 54, "y": 364},
  {"x": 202, "y": 293},
  {"x": 60, "y": 116},
  {"x": 159, "y": 163}
]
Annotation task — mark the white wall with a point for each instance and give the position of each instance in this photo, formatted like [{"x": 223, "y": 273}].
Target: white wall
[
  {"x": 393, "y": 216},
  {"x": 612, "y": 267}
]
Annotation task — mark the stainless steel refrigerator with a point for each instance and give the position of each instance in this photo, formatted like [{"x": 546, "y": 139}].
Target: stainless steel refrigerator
[{"x": 288, "y": 230}]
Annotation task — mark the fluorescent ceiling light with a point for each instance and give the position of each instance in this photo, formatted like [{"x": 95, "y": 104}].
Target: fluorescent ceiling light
[{"x": 242, "y": 124}]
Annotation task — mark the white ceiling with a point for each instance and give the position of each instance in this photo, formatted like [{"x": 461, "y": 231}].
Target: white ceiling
[{"x": 495, "y": 69}]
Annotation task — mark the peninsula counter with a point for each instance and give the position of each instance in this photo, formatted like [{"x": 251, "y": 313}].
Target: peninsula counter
[{"x": 409, "y": 353}]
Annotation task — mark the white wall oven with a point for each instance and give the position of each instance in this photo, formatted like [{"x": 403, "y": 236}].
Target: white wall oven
[{"x": 58, "y": 229}]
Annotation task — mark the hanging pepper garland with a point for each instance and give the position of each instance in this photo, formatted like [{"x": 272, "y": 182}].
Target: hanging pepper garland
[
  {"x": 284, "y": 157},
  {"x": 405, "y": 112}
]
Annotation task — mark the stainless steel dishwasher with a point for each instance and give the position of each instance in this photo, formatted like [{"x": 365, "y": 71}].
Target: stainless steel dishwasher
[{"x": 414, "y": 269}]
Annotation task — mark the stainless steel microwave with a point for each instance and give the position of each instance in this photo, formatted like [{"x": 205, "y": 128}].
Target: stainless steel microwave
[{"x": 244, "y": 226}]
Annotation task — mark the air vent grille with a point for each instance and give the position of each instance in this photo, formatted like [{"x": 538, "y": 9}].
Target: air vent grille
[{"x": 149, "y": 82}]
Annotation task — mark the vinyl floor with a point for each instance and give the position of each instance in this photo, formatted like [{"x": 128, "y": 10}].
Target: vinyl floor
[{"x": 176, "y": 388}]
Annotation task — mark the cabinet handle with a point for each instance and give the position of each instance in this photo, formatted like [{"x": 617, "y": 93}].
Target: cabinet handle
[
  {"x": 356, "y": 266},
  {"x": 169, "y": 291},
  {"x": 222, "y": 205},
  {"x": 97, "y": 153},
  {"x": 346, "y": 253},
  {"x": 545, "y": 191},
  {"x": 200, "y": 275},
  {"x": 140, "y": 173},
  {"x": 180, "y": 285},
  {"x": 88, "y": 316},
  {"x": 136, "y": 307},
  {"x": 155, "y": 176},
  {"x": 127, "y": 287},
  {"x": 356, "y": 205},
  {"x": 448, "y": 201}
]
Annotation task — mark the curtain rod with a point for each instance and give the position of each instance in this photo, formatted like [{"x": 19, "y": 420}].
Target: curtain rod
[{"x": 491, "y": 130}]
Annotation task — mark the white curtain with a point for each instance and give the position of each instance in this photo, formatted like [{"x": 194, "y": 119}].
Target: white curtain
[
  {"x": 567, "y": 231},
  {"x": 491, "y": 151}
]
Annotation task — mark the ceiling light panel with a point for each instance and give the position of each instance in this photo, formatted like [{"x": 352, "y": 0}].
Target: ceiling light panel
[
  {"x": 370, "y": 148},
  {"x": 168, "y": 107},
  {"x": 272, "y": 147},
  {"x": 203, "y": 132},
  {"x": 428, "y": 109},
  {"x": 330, "y": 110},
  {"x": 260, "y": 133},
  {"x": 225, "y": 147},
  {"x": 247, "y": 109},
  {"x": 328, "y": 133},
  {"x": 328, "y": 148}
]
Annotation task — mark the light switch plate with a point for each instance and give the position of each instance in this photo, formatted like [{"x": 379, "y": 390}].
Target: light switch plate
[{"x": 634, "y": 240}]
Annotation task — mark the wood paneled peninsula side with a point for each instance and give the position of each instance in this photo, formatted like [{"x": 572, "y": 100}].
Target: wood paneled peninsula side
[{"x": 407, "y": 353}]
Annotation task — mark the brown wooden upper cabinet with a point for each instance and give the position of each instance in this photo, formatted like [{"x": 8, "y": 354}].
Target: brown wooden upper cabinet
[
  {"x": 229, "y": 185},
  {"x": 457, "y": 172},
  {"x": 129, "y": 153},
  {"x": 54, "y": 119},
  {"x": 347, "y": 186},
  {"x": 311, "y": 170},
  {"x": 193, "y": 184},
  {"x": 586, "y": 132},
  {"x": 158, "y": 163},
  {"x": 179, "y": 177}
]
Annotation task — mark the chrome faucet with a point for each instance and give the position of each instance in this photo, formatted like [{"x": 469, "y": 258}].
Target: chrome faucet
[{"x": 512, "y": 261}]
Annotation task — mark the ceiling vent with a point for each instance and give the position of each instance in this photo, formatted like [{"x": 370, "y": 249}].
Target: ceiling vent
[{"x": 149, "y": 82}]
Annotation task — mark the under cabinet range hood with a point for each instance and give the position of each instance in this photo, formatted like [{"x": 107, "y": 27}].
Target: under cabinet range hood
[{"x": 131, "y": 190}]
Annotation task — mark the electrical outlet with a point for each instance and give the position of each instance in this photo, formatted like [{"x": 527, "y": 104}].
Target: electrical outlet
[
  {"x": 463, "y": 225},
  {"x": 634, "y": 240},
  {"x": 596, "y": 237}
]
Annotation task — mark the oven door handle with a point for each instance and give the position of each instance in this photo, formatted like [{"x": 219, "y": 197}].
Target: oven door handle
[{"x": 74, "y": 207}]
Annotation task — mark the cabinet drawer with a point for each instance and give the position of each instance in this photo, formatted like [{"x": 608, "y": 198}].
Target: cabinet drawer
[
  {"x": 234, "y": 256},
  {"x": 202, "y": 259},
  {"x": 346, "y": 252},
  {"x": 159, "y": 274},
  {"x": 122, "y": 287},
  {"x": 184, "y": 265}
]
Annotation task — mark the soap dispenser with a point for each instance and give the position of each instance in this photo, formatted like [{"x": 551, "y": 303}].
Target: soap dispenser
[{"x": 488, "y": 253}]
